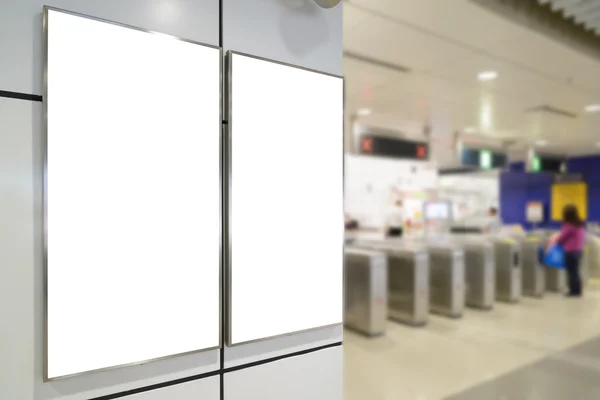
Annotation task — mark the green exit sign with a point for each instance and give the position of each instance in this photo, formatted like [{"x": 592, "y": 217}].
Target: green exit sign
[
  {"x": 486, "y": 159},
  {"x": 536, "y": 164}
]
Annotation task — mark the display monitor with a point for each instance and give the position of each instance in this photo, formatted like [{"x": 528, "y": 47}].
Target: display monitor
[
  {"x": 438, "y": 211},
  {"x": 286, "y": 217},
  {"x": 132, "y": 195}
]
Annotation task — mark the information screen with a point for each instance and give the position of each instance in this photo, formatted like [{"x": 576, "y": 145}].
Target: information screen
[
  {"x": 438, "y": 211},
  {"x": 286, "y": 221},
  {"x": 132, "y": 195}
]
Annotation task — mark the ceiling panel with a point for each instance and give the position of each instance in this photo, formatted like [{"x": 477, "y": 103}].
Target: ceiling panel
[
  {"x": 456, "y": 21},
  {"x": 446, "y": 44},
  {"x": 388, "y": 41},
  {"x": 544, "y": 56}
]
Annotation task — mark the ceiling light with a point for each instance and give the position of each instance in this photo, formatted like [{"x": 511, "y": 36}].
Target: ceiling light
[
  {"x": 363, "y": 112},
  {"x": 541, "y": 142},
  {"x": 592, "y": 108},
  {"x": 485, "y": 119},
  {"x": 487, "y": 75}
]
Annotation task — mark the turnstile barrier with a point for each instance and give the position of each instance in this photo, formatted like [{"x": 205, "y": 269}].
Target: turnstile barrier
[
  {"x": 508, "y": 260},
  {"x": 365, "y": 291}
]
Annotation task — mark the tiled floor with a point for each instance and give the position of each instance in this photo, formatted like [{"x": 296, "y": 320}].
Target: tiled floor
[{"x": 518, "y": 351}]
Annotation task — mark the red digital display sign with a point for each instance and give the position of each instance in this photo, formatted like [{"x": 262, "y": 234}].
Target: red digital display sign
[
  {"x": 396, "y": 148},
  {"x": 366, "y": 145}
]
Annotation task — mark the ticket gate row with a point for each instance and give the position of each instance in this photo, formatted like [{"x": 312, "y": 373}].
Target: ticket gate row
[{"x": 405, "y": 280}]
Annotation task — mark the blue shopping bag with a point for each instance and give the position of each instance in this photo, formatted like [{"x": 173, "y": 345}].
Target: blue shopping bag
[{"x": 555, "y": 257}]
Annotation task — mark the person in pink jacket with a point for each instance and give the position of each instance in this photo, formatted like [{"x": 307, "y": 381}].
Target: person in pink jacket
[{"x": 572, "y": 239}]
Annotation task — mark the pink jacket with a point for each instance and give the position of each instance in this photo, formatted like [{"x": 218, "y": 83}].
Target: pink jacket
[{"x": 571, "y": 238}]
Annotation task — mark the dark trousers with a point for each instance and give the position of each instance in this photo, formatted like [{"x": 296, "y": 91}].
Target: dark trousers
[
  {"x": 572, "y": 259},
  {"x": 394, "y": 232}
]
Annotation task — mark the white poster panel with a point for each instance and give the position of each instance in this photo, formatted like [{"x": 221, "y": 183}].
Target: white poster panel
[
  {"x": 286, "y": 199},
  {"x": 132, "y": 195}
]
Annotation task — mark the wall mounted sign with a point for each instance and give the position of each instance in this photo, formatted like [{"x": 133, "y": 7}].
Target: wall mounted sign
[
  {"x": 563, "y": 194},
  {"x": 395, "y": 148},
  {"x": 486, "y": 159},
  {"x": 547, "y": 164},
  {"x": 534, "y": 212},
  {"x": 482, "y": 158}
]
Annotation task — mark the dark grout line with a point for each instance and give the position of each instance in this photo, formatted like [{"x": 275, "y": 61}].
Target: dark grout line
[
  {"x": 279, "y": 358},
  {"x": 20, "y": 96},
  {"x": 220, "y": 372},
  {"x": 157, "y": 386}
]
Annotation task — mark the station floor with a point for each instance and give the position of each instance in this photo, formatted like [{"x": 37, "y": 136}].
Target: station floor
[{"x": 540, "y": 349}]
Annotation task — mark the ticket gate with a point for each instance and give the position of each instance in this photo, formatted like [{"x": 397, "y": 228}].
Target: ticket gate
[
  {"x": 556, "y": 279},
  {"x": 508, "y": 260},
  {"x": 365, "y": 291},
  {"x": 534, "y": 273},
  {"x": 584, "y": 265},
  {"x": 447, "y": 281},
  {"x": 480, "y": 274},
  {"x": 408, "y": 280}
]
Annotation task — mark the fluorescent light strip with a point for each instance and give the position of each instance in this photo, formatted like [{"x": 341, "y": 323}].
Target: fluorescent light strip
[{"x": 487, "y": 75}]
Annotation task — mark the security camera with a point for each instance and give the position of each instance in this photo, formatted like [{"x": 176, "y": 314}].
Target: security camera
[{"x": 328, "y": 3}]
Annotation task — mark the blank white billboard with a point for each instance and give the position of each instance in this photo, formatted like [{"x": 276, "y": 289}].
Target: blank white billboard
[
  {"x": 132, "y": 195},
  {"x": 286, "y": 199}
]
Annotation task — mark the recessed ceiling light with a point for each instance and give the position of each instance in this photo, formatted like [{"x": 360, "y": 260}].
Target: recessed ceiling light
[
  {"x": 541, "y": 143},
  {"x": 487, "y": 75},
  {"x": 363, "y": 112},
  {"x": 592, "y": 108}
]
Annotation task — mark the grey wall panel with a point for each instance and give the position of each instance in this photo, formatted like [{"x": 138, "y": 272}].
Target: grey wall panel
[
  {"x": 17, "y": 340},
  {"x": 317, "y": 375},
  {"x": 204, "y": 389},
  {"x": 21, "y": 29},
  {"x": 261, "y": 350},
  {"x": 293, "y": 31}
]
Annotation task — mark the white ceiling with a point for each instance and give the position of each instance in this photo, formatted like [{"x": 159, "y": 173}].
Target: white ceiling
[{"x": 445, "y": 44}]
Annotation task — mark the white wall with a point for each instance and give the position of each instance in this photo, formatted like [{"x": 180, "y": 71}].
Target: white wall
[
  {"x": 319, "y": 378},
  {"x": 472, "y": 194},
  {"x": 21, "y": 36},
  {"x": 371, "y": 182}
]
